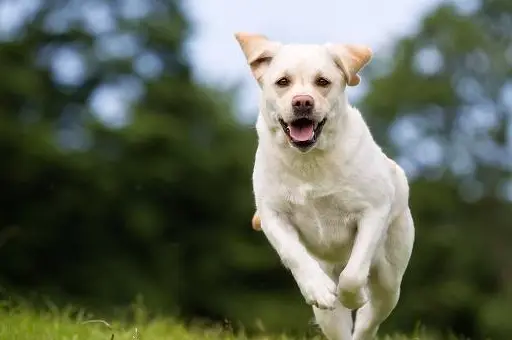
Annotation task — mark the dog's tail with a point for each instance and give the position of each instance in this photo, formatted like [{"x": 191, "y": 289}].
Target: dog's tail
[{"x": 256, "y": 222}]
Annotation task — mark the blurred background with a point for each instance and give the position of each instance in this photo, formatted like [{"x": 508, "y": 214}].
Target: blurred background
[{"x": 127, "y": 142}]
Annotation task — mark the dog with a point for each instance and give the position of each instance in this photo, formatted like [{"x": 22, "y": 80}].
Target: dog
[{"x": 332, "y": 205}]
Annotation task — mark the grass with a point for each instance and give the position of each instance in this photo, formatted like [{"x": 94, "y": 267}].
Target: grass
[{"x": 24, "y": 323}]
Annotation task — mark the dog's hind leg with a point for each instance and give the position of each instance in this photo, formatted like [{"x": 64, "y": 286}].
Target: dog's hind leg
[
  {"x": 385, "y": 278},
  {"x": 369, "y": 317},
  {"x": 336, "y": 324}
]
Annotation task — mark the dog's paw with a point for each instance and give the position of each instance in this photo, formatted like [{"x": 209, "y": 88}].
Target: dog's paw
[
  {"x": 319, "y": 290},
  {"x": 352, "y": 291}
]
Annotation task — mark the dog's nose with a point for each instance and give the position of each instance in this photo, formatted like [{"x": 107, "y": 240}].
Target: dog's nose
[{"x": 303, "y": 103}]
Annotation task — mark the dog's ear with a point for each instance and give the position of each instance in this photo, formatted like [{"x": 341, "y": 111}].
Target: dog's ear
[
  {"x": 350, "y": 59},
  {"x": 258, "y": 51}
]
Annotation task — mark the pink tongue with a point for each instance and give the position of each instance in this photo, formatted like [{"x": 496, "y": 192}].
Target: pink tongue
[{"x": 301, "y": 133}]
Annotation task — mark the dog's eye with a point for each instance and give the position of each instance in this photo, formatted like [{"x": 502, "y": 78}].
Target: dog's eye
[
  {"x": 282, "y": 82},
  {"x": 321, "y": 81}
]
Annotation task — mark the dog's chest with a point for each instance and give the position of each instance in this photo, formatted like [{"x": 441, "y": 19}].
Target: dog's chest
[{"x": 326, "y": 222}]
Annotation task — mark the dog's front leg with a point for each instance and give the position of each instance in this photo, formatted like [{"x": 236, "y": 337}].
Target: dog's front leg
[
  {"x": 352, "y": 281},
  {"x": 316, "y": 286}
]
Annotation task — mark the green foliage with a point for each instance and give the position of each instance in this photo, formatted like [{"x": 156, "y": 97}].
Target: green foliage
[{"x": 97, "y": 211}]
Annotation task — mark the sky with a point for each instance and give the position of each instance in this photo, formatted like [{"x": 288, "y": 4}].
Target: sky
[{"x": 217, "y": 58}]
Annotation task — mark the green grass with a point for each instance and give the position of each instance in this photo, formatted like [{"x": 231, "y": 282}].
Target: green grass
[
  {"x": 24, "y": 323},
  {"x": 29, "y": 324}
]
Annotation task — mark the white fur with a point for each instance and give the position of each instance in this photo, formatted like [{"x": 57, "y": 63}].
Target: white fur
[{"x": 337, "y": 215}]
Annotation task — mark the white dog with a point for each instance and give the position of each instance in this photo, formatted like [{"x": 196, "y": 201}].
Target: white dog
[{"x": 331, "y": 204}]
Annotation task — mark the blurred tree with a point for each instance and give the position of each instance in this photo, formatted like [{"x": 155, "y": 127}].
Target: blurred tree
[
  {"x": 120, "y": 175},
  {"x": 442, "y": 104}
]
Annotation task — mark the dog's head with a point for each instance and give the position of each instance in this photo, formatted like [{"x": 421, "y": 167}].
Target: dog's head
[{"x": 303, "y": 85}]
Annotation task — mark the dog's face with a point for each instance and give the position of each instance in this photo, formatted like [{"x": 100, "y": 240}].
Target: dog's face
[{"x": 302, "y": 85}]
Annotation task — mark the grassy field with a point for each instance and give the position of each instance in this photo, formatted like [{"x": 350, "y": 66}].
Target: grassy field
[{"x": 26, "y": 323}]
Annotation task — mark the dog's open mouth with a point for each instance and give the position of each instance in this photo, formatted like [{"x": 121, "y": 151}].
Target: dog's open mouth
[{"x": 302, "y": 133}]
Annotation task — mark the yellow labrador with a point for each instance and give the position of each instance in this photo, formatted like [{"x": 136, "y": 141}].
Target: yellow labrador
[{"x": 329, "y": 201}]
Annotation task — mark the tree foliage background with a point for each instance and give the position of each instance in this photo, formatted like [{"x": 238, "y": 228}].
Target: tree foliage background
[{"x": 97, "y": 210}]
